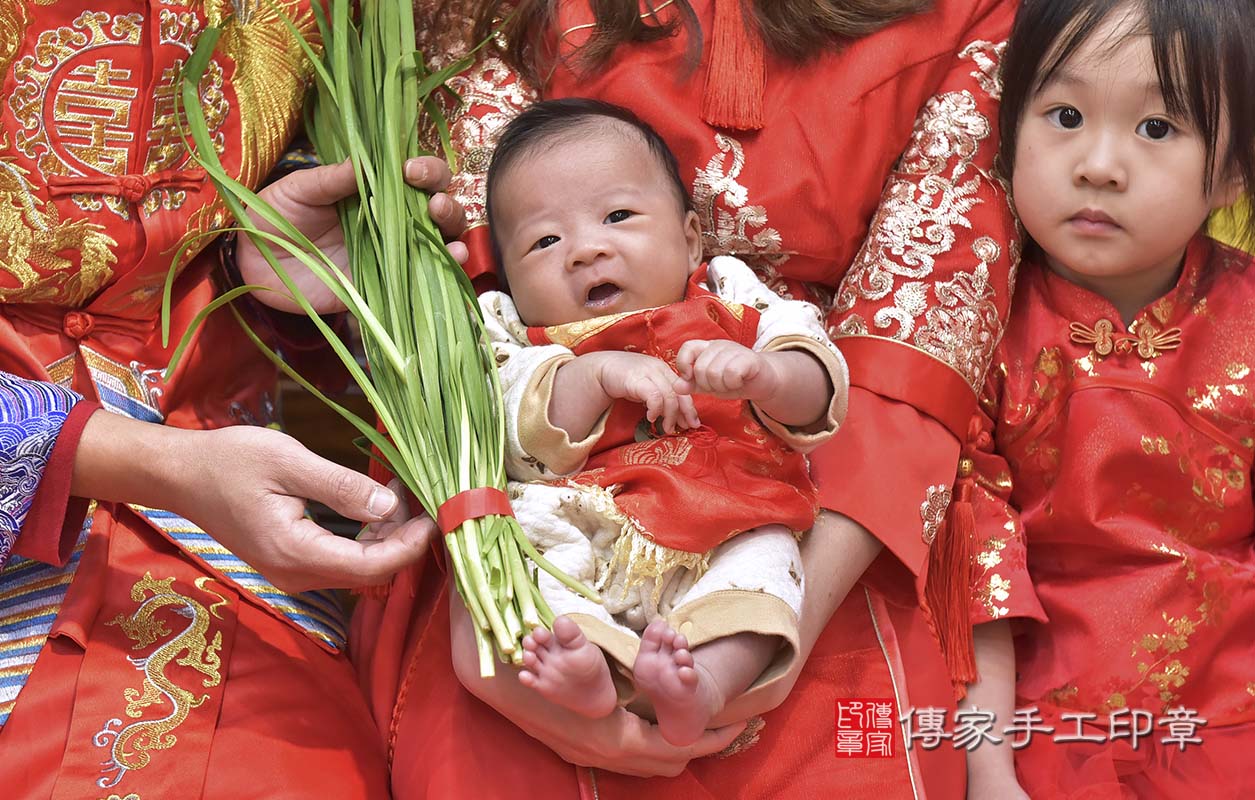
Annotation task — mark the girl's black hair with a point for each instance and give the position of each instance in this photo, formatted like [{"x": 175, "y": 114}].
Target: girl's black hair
[
  {"x": 1204, "y": 54},
  {"x": 551, "y": 122}
]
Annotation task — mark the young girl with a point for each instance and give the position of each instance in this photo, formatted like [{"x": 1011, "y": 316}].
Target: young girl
[
  {"x": 1111, "y": 481},
  {"x": 678, "y": 494}
]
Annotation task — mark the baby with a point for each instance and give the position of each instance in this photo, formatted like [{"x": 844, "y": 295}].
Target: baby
[{"x": 657, "y": 411}]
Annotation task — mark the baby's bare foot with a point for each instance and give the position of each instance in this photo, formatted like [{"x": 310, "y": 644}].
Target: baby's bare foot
[
  {"x": 567, "y": 669},
  {"x": 684, "y": 698}
]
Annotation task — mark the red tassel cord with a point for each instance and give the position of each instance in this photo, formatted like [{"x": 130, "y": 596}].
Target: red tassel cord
[
  {"x": 736, "y": 75},
  {"x": 948, "y": 589}
]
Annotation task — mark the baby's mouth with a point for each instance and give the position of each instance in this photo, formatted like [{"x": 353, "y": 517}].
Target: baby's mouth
[{"x": 603, "y": 294}]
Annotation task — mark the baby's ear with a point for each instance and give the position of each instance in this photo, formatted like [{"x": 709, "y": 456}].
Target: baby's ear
[{"x": 693, "y": 239}]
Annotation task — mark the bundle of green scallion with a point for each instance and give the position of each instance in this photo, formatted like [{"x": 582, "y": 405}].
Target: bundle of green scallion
[{"x": 432, "y": 378}]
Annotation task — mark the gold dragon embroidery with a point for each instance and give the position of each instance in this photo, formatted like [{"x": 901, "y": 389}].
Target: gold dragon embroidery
[{"x": 131, "y": 747}]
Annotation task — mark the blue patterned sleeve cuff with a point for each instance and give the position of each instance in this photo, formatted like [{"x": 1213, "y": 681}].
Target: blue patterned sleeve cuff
[{"x": 31, "y": 416}]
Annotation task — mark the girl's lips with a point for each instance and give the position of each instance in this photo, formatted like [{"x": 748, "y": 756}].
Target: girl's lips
[{"x": 1093, "y": 222}]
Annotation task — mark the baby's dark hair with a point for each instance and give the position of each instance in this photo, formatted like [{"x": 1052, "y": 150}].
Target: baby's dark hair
[
  {"x": 552, "y": 122},
  {"x": 1204, "y": 54}
]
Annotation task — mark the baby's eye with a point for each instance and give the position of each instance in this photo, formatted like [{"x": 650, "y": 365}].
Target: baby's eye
[
  {"x": 1065, "y": 117},
  {"x": 1156, "y": 129},
  {"x": 618, "y": 215},
  {"x": 545, "y": 241}
]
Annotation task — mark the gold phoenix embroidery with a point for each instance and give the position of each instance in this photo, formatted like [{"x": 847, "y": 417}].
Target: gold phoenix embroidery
[
  {"x": 13, "y": 22},
  {"x": 131, "y": 747},
  {"x": 269, "y": 78},
  {"x": 32, "y": 236}
]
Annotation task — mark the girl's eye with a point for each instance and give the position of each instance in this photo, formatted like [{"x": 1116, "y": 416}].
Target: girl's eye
[
  {"x": 545, "y": 241},
  {"x": 1155, "y": 129},
  {"x": 1066, "y": 117},
  {"x": 618, "y": 216}
]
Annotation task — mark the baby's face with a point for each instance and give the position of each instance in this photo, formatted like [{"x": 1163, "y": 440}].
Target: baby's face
[{"x": 590, "y": 226}]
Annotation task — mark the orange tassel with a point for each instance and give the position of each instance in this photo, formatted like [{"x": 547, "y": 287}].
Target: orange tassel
[{"x": 736, "y": 75}]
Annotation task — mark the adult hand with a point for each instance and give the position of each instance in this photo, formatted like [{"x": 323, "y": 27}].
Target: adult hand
[
  {"x": 307, "y": 198},
  {"x": 621, "y": 742},
  {"x": 247, "y": 487},
  {"x": 835, "y": 554}
]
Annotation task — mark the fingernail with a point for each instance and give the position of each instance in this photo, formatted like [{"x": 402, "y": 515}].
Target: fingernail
[
  {"x": 415, "y": 170},
  {"x": 381, "y": 502}
]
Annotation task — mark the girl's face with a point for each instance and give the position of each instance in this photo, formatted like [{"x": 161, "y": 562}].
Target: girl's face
[{"x": 1106, "y": 181}]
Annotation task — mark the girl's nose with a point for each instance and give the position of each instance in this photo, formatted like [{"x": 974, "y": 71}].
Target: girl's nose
[{"x": 1101, "y": 165}]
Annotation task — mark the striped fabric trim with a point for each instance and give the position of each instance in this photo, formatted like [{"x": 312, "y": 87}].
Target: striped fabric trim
[
  {"x": 31, "y": 593},
  {"x": 319, "y": 613}
]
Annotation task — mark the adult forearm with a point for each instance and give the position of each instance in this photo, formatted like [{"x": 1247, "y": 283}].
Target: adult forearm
[
  {"x": 123, "y": 459},
  {"x": 835, "y": 554}
]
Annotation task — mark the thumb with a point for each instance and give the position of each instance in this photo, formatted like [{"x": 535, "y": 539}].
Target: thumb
[
  {"x": 347, "y": 492},
  {"x": 322, "y": 186}
]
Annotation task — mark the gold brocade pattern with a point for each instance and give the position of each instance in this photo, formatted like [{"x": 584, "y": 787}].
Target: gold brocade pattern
[
  {"x": 490, "y": 84},
  {"x": 32, "y": 239},
  {"x": 270, "y": 74},
  {"x": 730, "y": 225},
  {"x": 1124, "y": 487},
  {"x": 891, "y": 289},
  {"x": 745, "y": 739},
  {"x": 963, "y": 325},
  {"x": 269, "y": 79},
  {"x": 13, "y": 22},
  {"x": 670, "y": 451},
  {"x": 91, "y": 112},
  {"x": 166, "y": 146},
  {"x": 570, "y": 334},
  {"x": 933, "y": 511},
  {"x": 131, "y": 747},
  {"x": 636, "y": 558},
  {"x": 987, "y": 56}
]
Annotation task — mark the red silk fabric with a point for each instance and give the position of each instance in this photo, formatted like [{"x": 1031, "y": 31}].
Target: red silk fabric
[{"x": 691, "y": 490}]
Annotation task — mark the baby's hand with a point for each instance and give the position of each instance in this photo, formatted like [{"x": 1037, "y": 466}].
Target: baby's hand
[
  {"x": 648, "y": 380},
  {"x": 726, "y": 369}
]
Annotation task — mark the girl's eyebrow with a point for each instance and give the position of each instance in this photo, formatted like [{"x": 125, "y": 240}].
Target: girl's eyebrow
[
  {"x": 1064, "y": 77},
  {"x": 1069, "y": 79}
]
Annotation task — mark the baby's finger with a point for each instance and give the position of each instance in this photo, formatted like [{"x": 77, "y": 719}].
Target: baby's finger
[
  {"x": 712, "y": 370},
  {"x": 688, "y": 412},
  {"x": 671, "y": 405},
  {"x": 737, "y": 372},
  {"x": 689, "y": 352}
]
